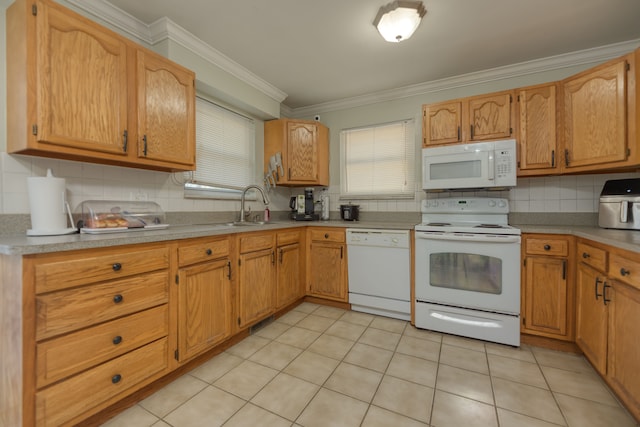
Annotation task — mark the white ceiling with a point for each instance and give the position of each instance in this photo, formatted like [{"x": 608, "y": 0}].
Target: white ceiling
[{"x": 319, "y": 51}]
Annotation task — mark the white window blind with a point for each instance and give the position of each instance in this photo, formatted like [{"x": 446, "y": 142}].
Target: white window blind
[
  {"x": 378, "y": 161},
  {"x": 225, "y": 147}
]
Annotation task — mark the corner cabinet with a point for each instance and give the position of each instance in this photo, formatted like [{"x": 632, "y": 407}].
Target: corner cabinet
[
  {"x": 547, "y": 286},
  {"x": 204, "y": 295},
  {"x": 327, "y": 264},
  {"x": 475, "y": 119},
  {"x": 600, "y": 124},
  {"x": 608, "y": 312},
  {"x": 79, "y": 91},
  {"x": 539, "y": 121},
  {"x": 304, "y": 148}
]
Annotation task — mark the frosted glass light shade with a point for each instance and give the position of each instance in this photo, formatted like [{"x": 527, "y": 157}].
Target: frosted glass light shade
[{"x": 398, "y": 20}]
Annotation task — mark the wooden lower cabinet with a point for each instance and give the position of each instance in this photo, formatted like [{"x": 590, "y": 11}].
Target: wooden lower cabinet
[
  {"x": 256, "y": 278},
  {"x": 204, "y": 296},
  {"x": 547, "y": 286},
  {"x": 290, "y": 267},
  {"x": 327, "y": 264},
  {"x": 608, "y": 306}
]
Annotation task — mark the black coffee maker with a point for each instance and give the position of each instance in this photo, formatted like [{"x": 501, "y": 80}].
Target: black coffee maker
[{"x": 302, "y": 207}]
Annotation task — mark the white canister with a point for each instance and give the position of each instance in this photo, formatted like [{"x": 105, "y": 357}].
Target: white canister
[{"x": 48, "y": 205}]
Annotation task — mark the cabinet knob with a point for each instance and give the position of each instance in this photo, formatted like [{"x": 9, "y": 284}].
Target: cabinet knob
[
  {"x": 547, "y": 247},
  {"x": 209, "y": 251},
  {"x": 624, "y": 272},
  {"x": 326, "y": 235},
  {"x": 117, "y": 266},
  {"x": 585, "y": 255},
  {"x": 117, "y": 299},
  {"x": 117, "y": 340},
  {"x": 116, "y": 378}
]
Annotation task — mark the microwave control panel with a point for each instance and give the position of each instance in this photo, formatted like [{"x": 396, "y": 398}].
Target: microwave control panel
[{"x": 504, "y": 162}]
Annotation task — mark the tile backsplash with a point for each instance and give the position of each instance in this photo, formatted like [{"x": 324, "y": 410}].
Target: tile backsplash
[{"x": 85, "y": 181}]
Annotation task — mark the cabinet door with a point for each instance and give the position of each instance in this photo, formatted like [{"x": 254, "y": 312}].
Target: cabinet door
[
  {"x": 624, "y": 344},
  {"x": 591, "y": 317},
  {"x": 204, "y": 307},
  {"x": 166, "y": 111},
  {"x": 82, "y": 84},
  {"x": 256, "y": 286},
  {"x": 302, "y": 151},
  {"x": 327, "y": 273},
  {"x": 545, "y": 310},
  {"x": 490, "y": 117},
  {"x": 289, "y": 282},
  {"x": 538, "y": 140},
  {"x": 596, "y": 116},
  {"x": 442, "y": 123}
]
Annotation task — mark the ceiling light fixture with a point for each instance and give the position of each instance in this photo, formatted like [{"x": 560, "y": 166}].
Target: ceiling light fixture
[{"x": 399, "y": 19}]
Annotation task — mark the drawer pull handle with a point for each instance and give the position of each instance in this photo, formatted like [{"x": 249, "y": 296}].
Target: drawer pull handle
[
  {"x": 585, "y": 255},
  {"x": 209, "y": 251},
  {"x": 117, "y": 340},
  {"x": 624, "y": 272},
  {"x": 547, "y": 247},
  {"x": 117, "y": 299},
  {"x": 605, "y": 300},
  {"x": 598, "y": 281},
  {"x": 326, "y": 235},
  {"x": 117, "y": 266},
  {"x": 116, "y": 378}
]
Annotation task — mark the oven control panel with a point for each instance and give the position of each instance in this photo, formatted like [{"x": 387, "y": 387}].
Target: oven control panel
[{"x": 469, "y": 204}]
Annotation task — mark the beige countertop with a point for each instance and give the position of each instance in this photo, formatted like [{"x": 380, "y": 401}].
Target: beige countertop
[{"x": 20, "y": 244}]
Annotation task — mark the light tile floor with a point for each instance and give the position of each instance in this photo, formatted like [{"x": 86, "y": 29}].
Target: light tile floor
[{"x": 323, "y": 366}]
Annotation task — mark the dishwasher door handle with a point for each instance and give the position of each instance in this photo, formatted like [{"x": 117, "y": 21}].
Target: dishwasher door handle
[{"x": 489, "y": 238}]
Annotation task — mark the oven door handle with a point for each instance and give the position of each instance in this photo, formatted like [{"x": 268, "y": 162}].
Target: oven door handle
[{"x": 468, "y": 237}]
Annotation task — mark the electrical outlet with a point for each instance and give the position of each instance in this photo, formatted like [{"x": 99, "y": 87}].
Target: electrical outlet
[{"x": 141, "y": 196}]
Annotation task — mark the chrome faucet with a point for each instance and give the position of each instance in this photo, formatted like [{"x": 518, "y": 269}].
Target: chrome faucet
[{"x": 265, "y": 199}]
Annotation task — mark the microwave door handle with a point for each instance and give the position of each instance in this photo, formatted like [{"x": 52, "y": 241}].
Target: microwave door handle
[
  {"x": 624, "y": 209},
  {"x": 492, "y": 168}
]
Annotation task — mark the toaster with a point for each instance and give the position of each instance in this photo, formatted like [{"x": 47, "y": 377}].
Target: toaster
[{"x": 620, "y": 204}]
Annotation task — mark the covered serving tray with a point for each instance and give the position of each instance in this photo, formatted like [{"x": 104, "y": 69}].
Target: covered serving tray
[{"x": 110, "y": 216}]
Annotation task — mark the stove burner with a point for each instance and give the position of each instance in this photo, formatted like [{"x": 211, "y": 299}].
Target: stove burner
[
  {"x": 439, "y": 224},
  {"x": 488, "y": 226}
]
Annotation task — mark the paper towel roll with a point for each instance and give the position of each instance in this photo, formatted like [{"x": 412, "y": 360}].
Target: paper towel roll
[{"x": 47, "y": 201}]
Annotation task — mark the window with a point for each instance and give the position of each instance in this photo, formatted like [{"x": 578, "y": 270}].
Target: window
[
  {"x": 378, "y": 161},
  {"x": 225, "y": 152}
]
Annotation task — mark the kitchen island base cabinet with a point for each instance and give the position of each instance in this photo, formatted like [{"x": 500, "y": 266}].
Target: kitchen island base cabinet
[{"x": 327, "y": 264}]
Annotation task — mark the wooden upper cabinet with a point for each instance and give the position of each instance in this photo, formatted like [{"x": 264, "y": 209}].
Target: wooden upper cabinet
[
  {"x": 538, "y": 124},
  {"x": 442, "y": 123},
  {"x": 166, "y": 110},
  {"x": 71, "y": 93},
  {"x": 304, "y": 149},
  {"x": 490, "y": 117},
  {"x": 596, "y": 116},
  {"x": 474, "y": 119}
]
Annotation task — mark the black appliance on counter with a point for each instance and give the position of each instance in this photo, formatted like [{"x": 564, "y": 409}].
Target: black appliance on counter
[{"x": 302, "y": 207}]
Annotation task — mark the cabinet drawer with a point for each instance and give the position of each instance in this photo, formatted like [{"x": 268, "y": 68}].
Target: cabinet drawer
[
  {"x": 73, "y": 309},
  {"x": 256, "y": 242},
  {"x": 74, "y": 271},
  {"x": 198, "y": 252},
  {"x": 556, "y": 247},
  {"x": 625, "y": 269},
  {"x": 595, "y": 257},
  {"x": 62, "y": 402},
  {"x": 328, "y": 235},
  {"x": 62, "y": 357},
  {"x": 288, "y": 237}
]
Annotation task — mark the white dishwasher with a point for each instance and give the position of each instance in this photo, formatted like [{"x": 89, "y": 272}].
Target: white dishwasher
[{"x": 379, "y": 272}]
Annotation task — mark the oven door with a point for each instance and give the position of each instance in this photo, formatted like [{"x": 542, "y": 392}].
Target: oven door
[{"x": 478, "y": 271}]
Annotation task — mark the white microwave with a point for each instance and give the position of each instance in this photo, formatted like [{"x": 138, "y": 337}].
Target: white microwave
[{"x": 489, "y": 164}]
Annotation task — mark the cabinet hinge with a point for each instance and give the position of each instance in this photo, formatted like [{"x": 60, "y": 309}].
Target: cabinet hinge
[
  {"x": 524, "y": 262},
  {"x": 524, "y": 321},
  {"x": 238, "y": 321},
  {"x": 628, "y": 152},
  {"x": 628, "y": 66},
  {"x": 176, "y": 354},
  {"x": 510, "y": 99},
  {"x": 518, "y": 98},
  {"x": 177, "y": 279},
  {"x": 518, "y": 163},
  {"x": 34, "y": 129},
  {"x": 34, "y": 9},
  {"x": 510, "y": 131},
  {"x": 239, "y": 262}
]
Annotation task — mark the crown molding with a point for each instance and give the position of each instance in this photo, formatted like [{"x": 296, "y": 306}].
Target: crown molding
[
  {"x": 163, "y": 29},
  {"x": 587, "y": 56}
]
